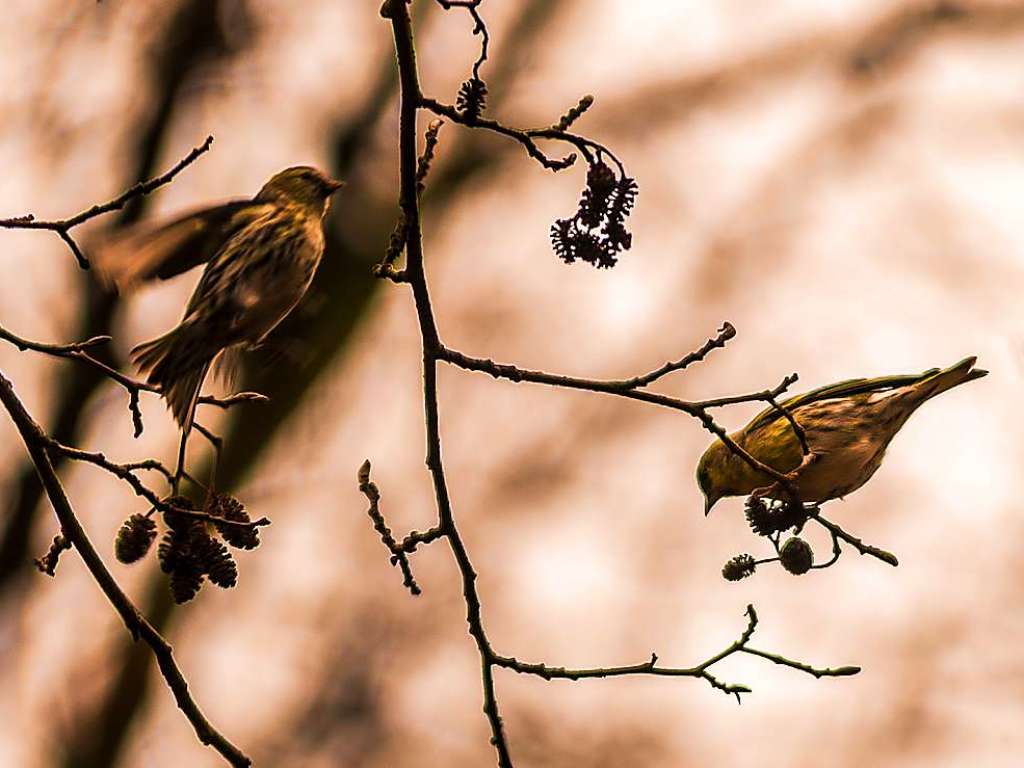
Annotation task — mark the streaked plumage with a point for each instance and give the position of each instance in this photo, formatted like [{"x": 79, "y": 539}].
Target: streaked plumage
[
  {"x": 848, "y": 427},
  {"x": 261, "y": 257}
]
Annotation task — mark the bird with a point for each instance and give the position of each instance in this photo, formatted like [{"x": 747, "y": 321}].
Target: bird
[
  {"x": 260, "y": 254},
  {"x": 848, "y": 426}
]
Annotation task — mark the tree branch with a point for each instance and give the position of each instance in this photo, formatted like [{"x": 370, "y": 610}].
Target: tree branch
[
  {"x": 79, "y": 351},
  {"x": 63, "y": 227},
  {"x": 696, "y": 408},
  {"x": 399, "y": 554},
  {"x": 37, "y": 444},
  {"x": 408, "y": 233},
  {"x": 651, "y": 667},
  {"x": 126, "y": 472},
  {"x": 858, "y": 544},
  {"x": 398, "y": 13},
  {"x": 479, "y": 28}
]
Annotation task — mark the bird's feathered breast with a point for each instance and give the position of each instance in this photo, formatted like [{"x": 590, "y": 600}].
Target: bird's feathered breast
[{"x": 276, "y": 251}]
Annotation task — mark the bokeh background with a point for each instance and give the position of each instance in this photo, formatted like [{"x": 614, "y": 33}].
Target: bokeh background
[{"x": 844, "y": 181}]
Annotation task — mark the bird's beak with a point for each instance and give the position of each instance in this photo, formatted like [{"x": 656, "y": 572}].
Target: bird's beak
[
  {"x": 333, "y": 185},
  {"x": 709, "y": 502}
]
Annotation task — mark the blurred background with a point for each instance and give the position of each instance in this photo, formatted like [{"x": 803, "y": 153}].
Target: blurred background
[{"x": 844, "y": 181}]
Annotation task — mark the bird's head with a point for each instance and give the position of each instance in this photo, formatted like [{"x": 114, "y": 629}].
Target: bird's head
[
  {"x": 303, "y": 185},
  {"x": 715, "y": 474}
]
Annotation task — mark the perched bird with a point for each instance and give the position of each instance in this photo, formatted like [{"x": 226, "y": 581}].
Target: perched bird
[
  {"x": 847, "y": 425},
  {"x": 261, "y": 255}
]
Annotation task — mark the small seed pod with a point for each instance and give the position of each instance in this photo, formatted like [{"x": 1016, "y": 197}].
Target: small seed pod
[
  {"x": 215, "y": 560},
  {"x": 185, "y": 581},
  {"x": 760, "y": 516},
  {"x": 178, "y": 521},
  {"x": 792, "y": 515},
  {"x": 601, "y": 180},
  {"x": 767, "y": 516},
  {"x": 168, "y": 552},
  {"x": 596, "y": 198},
  {"x": 796, "y": 555},
  {"x": 177, "y": 545},
  {"x": 738, "y": 568},
  {"x": 472, "y": 99},
  {"x": 134, "y": 538},
  {"x": 230, "y": 508}
]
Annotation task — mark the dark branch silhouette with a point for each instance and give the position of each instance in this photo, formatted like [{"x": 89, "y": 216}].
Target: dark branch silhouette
[
  {"x": 408, "y": 234},
  {"x": 39, "y": 447},
  {"x": 63, "y": 227}
]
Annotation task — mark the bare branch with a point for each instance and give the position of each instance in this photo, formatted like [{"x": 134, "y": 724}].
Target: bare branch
[
  {"x": 408, "y": 235},
  {"x": 429, "y": 147},
  {"x": 48, "y": 563},
  {"x": 697, "y": 408},
  {"x": 63, "y": 227},
  {"x": 416, "y": 538},
  {"x": 38, "y": 445},
  {"x": 126, "y": 472},
  {"x": 79, "y": 351},
  {"x": 725, "y": 333},
  {"x": 651, "y": 667},
  {"x": 231, "y": 400},
  {"x": 399, "y": 554},
  {"x": 524, "y": 137},
  {"x": 853, "y": 541},
  {"x": 479, "y": 28}
]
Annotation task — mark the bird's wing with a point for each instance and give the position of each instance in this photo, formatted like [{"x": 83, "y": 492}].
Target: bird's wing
[
  {"x": 847, "y": 388},
  {"x": 146, "y": 253},
  {"x": 225, "y": 287}
]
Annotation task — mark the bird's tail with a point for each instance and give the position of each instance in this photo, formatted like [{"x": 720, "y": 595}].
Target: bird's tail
[
  {"x": 939, "y": 381},
  {"x": 177, "y": 365}
]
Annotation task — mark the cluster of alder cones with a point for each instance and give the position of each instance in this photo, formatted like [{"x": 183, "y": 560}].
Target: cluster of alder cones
[
  {"x": 770, "y": 518},
  {"x": 193, "y": 548}
]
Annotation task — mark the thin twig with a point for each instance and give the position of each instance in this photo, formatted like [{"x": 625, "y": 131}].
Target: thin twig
[
  {"x": 126, "y": 472},
  {"x": 38, "y": 445},
  {"x": 218, "y": 445},
  {"x": 526, "y": 137},
  {"x": 430, "y": 138},
  {"x": 231, "y": 400},
  {"x": 651, "y": 667},
  {"x": 695, "y": 408},
  {"x": 853, "y": 541},
  {"x": 725, "y": 333},
  {"x": 417, "y": 538},
  {"x": 399, "y": 555},
  {"x": 48, "y": 563},
  {"x": 63, "y": 227},
  {"x": 479, "y": 28},
  {"x": 80, "y": 351}
]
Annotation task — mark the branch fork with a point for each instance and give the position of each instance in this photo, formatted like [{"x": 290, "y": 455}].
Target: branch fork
[{"x": 408, "y": 236}]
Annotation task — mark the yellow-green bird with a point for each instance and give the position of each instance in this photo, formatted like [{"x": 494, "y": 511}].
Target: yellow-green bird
[
  {"x": 261, "y": 255},
  {"x": 848, "y": 426}
]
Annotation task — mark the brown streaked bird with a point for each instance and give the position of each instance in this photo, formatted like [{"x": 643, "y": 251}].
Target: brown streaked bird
[
  {"x": 848, "y": 426},
  {"x": 261, "y": 256}
]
